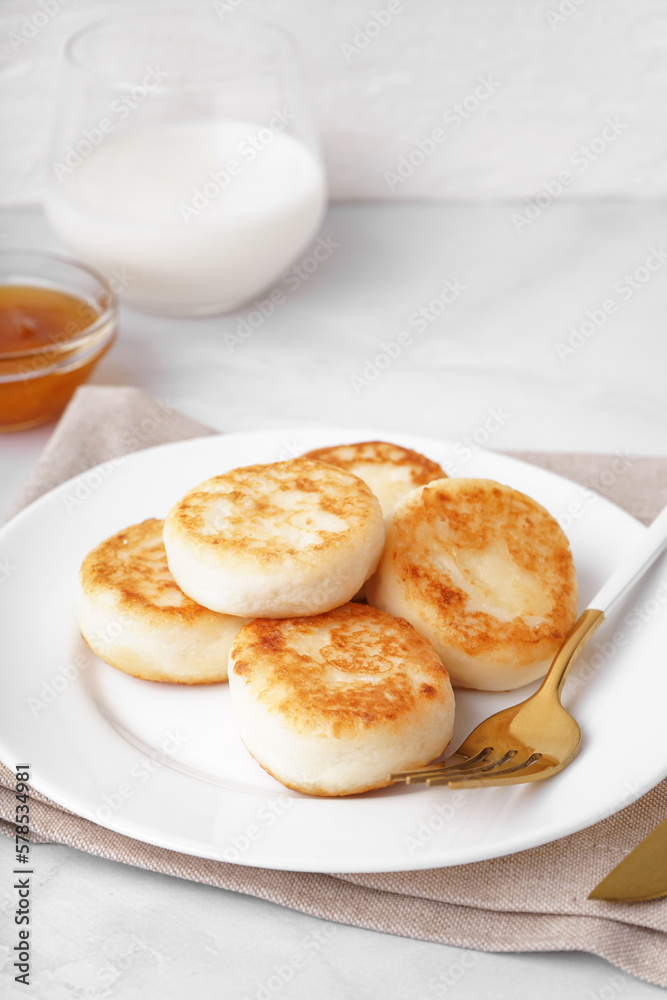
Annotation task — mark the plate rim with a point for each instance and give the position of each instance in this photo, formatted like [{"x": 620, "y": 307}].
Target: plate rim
[{"x": 128, "y": 827}]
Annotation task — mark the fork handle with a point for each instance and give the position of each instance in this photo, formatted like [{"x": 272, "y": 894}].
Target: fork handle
[
  {"x": 624, "y": 577},
  {"x": 564, "y": 659},
  {"x": 633, "y": 566}
]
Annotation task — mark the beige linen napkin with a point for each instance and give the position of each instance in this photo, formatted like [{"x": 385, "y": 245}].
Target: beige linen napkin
[{"x": 532, "y": 901}]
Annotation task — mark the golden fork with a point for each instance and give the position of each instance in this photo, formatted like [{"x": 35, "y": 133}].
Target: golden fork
[{"x": 538, "y": 737}]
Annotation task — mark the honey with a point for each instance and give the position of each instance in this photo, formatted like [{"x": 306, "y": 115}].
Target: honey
[{"x": 50, "y": 341}]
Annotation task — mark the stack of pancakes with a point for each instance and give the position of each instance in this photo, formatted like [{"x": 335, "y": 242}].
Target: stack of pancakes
[{"x": 251, "y": 578}]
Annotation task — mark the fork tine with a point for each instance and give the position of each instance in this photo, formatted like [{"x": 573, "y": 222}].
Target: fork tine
[
  {"x": 493, "y": 776},
  {"x": 520, "y": 777},
  {"x": 435, "y": 775},
  {"x": 498, "y": 766},
  {"x": 438, "y": 768},
  {"x": 531, "y": 759},
  {"x": 473, "y": 765},
  {"x": 493, "y": 766}
]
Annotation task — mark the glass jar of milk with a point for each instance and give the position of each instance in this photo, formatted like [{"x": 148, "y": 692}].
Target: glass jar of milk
[{"x": 184, "y": 165}]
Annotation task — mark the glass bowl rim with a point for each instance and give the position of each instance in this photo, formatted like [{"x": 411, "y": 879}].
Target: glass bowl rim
[
  {"x": 74, "y": 60},
  {"x": 108, "y": 313}
]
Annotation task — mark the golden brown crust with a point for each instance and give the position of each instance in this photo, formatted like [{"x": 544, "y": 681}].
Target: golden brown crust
[
  {"x": 420, "y": 469},
  {"x": 340, "y": 672},
  {"x": 440, "y": 544},
  {"x": 134, "y": 617},
  {"x": 131, "y": 566},
  {"x": 268, "y": 514}
]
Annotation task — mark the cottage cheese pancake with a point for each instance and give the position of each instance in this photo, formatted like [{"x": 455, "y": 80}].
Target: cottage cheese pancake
[
  {"x": 134, "y": 616},
  {"x": 331, "y": 704},
  {"x": 273, "y": 541},
  {"x": 390, "y": 470},
  {"x": 486, "y": 574}
]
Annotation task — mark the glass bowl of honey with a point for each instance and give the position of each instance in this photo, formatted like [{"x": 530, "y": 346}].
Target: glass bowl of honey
[{"x": 58, "y": 317}]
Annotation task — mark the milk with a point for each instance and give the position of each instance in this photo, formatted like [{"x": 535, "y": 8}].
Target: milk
[{"x": 192, "y": 217}]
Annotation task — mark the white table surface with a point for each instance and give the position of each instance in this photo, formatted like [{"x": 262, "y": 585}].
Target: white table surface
[{"x": 104, "y": 930}]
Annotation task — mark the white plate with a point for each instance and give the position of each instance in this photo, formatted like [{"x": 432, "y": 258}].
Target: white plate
[{"x": 164, "y": 764}]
